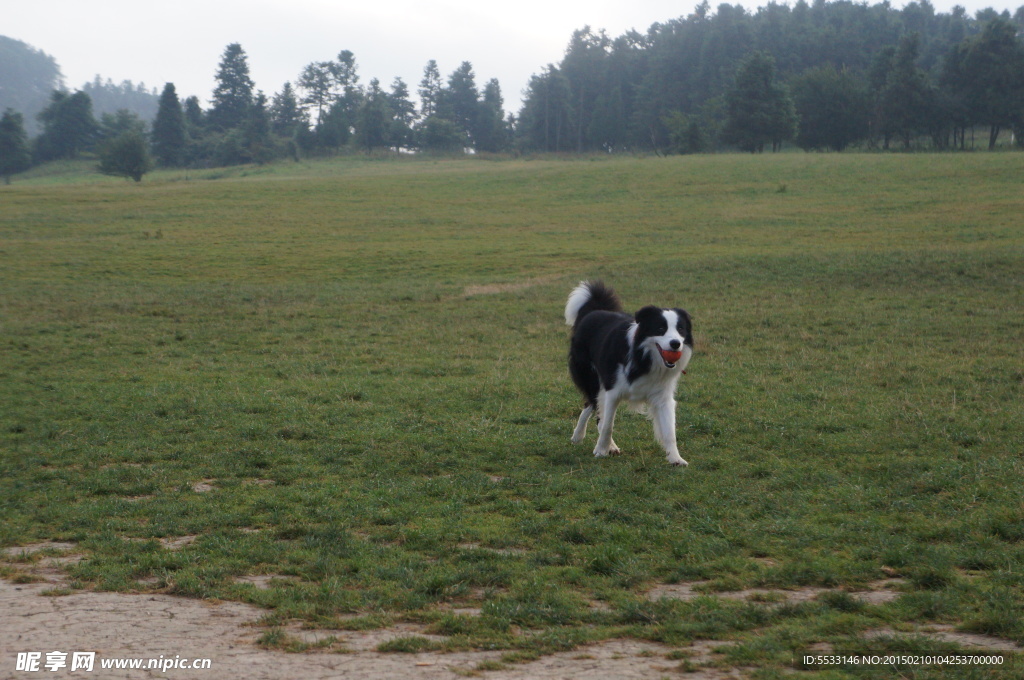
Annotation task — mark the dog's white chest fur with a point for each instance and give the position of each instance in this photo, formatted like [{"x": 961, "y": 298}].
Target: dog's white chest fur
[{"x": 654, "y": 386}]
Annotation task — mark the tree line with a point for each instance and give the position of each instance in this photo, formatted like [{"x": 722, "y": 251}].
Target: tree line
[
  {"x": 27, "y": 77},
  {"x": 824, "y": 76},
  {"x": 326, "y": 111}
]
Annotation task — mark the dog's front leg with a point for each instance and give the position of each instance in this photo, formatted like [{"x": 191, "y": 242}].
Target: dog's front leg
[
  {"x": 663, "y": 416},
  {"x": 606, "y": 420}
]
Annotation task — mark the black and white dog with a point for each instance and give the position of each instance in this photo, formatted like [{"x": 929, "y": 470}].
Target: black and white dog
[{"x": 615, "y": 357}]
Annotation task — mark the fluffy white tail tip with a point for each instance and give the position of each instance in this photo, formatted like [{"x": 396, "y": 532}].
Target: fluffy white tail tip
[{"x": 577, "y": 298}]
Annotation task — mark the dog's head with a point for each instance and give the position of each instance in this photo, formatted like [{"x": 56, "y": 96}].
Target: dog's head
[{"x": 666, "y": 335}]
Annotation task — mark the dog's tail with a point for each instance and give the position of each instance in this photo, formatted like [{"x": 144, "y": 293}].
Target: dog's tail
[{"x": 590, "y": 296}]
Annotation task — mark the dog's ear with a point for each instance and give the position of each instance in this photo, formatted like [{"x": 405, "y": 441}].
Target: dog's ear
[{"x": 647, "y": 314}]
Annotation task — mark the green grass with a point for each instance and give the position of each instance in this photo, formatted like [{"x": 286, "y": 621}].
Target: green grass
[{"x": 318, "y": 342}]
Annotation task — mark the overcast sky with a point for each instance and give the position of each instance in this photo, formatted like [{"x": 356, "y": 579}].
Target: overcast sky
[{"x": 181, "y": 41}]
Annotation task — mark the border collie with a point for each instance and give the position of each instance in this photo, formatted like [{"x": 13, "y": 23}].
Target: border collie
[{"x": 615, "y": 357}]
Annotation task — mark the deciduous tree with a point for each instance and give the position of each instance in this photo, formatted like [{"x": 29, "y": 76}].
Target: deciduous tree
[
  {"x": 907, "y": 99},
  {"x": 15, "y": 155},
  {"x": 113, "y": 124},
  {"x": 126, "y": 155},
  {"x": 833, "y": 109},
  {"x": 440, "y": 135},
  {"x": 992, "y": 77},
  {"x": 685, "y": 133},
  {"x": 68, "y": 127},
  {"x": 759, "y": 110}
]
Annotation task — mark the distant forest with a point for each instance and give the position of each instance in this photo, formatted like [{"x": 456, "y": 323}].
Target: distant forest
[
  {"x": 29, "y": 76},
  {"x": 821, "y": 76}
]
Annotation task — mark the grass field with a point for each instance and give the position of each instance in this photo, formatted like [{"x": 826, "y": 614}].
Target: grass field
[{"x": 350, "y": 375}]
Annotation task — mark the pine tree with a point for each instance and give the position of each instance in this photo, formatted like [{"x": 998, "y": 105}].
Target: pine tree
[
  {"x": 350, "y": 97},
  {"x": 585, "y": 66},
  {"x": 15, "y": 155},
  {"x": 169, "y": 129},
  {"x": 430, "y": 89},
  {"x": 544, "y": 120},
  {"x": 459, "y": 101},
  {"x": 490, "y": 132},
  {"x": 285, "y": 115},
  {"x": 403, "y": 115},
  {"x": 257, "y": 131},
  {"x": 333, "y": 88},
  {"x": 374, "y": 118},
  {"x": 347, "y": 77},
  {"x": 195, "y": 118},
  {"x": 258, "y": 125},
  {"x": 318, "y": 83},
  {"x": 233, "y": 96}
]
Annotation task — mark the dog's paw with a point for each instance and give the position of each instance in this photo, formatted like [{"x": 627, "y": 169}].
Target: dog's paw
[
  {"x": 677, "y": 461},
  {"x": 577, "y": 437},
  {"x": 598, "y": 453}
]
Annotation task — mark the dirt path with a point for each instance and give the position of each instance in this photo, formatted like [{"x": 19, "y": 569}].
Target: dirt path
[
  {"x": 118, "y": 626},
  {"x": 166, "y": 629}
]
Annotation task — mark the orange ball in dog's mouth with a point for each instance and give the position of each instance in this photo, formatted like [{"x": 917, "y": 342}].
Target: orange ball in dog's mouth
[{"x": 670, "y": 357}]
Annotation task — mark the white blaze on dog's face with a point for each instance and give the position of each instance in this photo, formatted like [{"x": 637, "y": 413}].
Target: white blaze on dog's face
[{"x": 665, "y": 334}]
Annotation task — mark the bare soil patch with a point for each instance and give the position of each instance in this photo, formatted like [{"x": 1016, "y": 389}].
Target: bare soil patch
[
  {"x": 263, "y": 581},
  {"x": 944, "y": 633},
  {"x": 878, "y": 592},
  {"x": 512, "y": 287},
  {"x": 151, "y": 626}
]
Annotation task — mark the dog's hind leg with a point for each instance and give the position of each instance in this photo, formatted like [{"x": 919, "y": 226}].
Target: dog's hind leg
[
  {"x": 607, "y": 403},
  {"x": 581, "y": 425}
]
